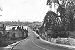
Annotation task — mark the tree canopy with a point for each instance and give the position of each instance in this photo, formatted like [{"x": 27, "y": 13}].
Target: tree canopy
[{"x": 65, "y": 21}]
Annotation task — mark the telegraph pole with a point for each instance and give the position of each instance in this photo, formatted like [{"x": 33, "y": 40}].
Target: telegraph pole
[{"x": 1, "y": 11}]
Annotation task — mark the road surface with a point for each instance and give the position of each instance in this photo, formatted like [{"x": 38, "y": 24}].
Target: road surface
[{"x": 32, "y": 43}]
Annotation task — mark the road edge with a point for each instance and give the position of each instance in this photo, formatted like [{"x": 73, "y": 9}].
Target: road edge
[
  {"x": 60, "y": 45},
  {"x": 11, "y": 46}
]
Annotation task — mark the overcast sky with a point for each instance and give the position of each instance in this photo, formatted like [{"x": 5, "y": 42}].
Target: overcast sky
[{"x": 23, "y": 10}]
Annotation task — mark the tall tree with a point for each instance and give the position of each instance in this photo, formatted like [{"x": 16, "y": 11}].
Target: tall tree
[
  {"x": 66, "y": 9},
  {"x": 62, "y": 22}
]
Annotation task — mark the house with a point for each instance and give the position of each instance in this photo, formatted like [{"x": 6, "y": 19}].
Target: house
[
  {"x": 15, "y": 33},
  {"x": 10, "y": 27}
]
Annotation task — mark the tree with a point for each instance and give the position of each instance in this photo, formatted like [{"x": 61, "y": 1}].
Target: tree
[
  {"x": 63, "y": 22},
  {"x": 66, "y": 10}
]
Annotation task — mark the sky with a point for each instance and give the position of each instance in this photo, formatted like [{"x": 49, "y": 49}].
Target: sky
[{"x": 23, "y": 10}]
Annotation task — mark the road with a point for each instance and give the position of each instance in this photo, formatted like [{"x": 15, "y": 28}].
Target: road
[{"x": 32, "y": 43}]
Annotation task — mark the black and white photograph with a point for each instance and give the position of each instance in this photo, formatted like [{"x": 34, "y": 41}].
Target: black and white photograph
[{"x": 37, "y": 24}]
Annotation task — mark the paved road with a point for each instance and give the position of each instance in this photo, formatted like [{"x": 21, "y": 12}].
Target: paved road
[{"x": 32, "y": 43}]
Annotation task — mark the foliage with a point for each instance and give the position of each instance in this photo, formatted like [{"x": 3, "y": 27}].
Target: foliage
[{"x": 62, "y": 23}]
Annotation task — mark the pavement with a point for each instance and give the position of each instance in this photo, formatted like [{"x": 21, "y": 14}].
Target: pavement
[{"x": 32, "y": 43}]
